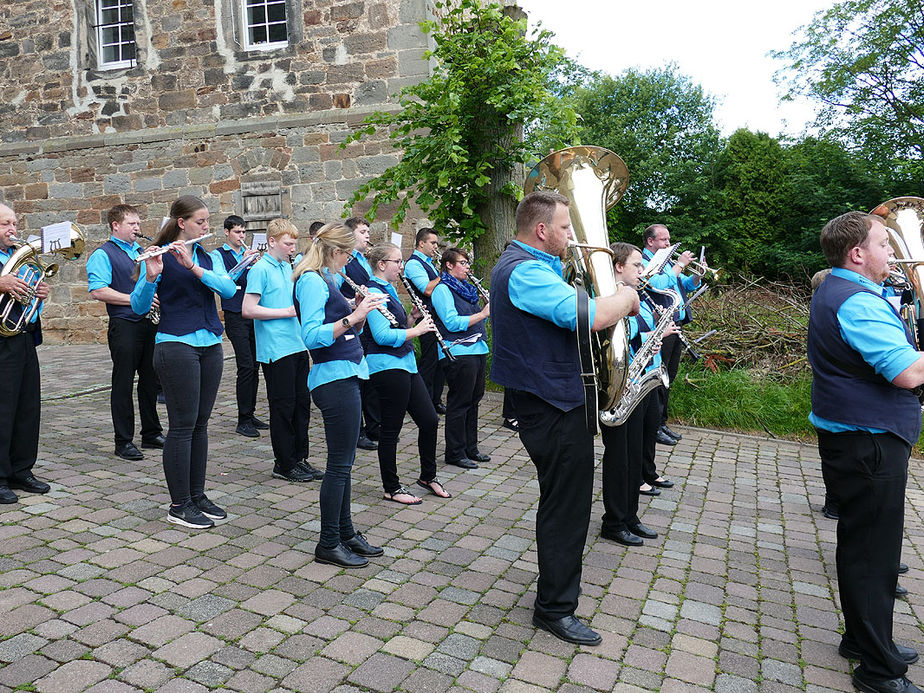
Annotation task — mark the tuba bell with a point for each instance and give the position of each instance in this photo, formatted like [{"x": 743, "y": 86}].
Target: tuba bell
[
  {"x": 593, "y": 179},
  {"x": 16, "y": 312}
]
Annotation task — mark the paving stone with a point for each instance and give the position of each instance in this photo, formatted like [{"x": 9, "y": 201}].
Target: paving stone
[
  {"x": 188, "y": 649},
  {"x": 19, "y": 646},
  {"x": 381, "y": 672},
  {"x": 73, "y": 676},
  {"x": 539, "y": 669}
]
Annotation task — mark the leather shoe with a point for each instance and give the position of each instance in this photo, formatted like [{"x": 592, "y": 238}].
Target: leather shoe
[
  {"x": 568, "y": 629},
  {"x": 900, "y": 591},
  {"x": 128, "y": 452},
  {"x": 7, "y": 496},
  {"x": 440, "y": 408},
  {"x": 246, "y": 429},
  {"x": 829, "y": 512},
  {"x": 663, "y": 483},
  {"x": 479, "y": 457},
  {"x": 30, "y": 484},
  {"x": 157, "y": 442},
  {"x": 340, "y": 555},
  {"x": 358, "y": 545},
  {"x": 664, "y": 439},
  {"x": 623, "y": 536},
  {"x": 899, "y": 685},
  {"x": 849, "y": 650},
  {"x": 672, "y": 434},
  {"x": 463, "y": 462},
  {"x": 366, "y": 443},
  {"x": 642, "y": 531},
  {"x": 650, "y": 492},
  {"x": 902, "y": 568}
]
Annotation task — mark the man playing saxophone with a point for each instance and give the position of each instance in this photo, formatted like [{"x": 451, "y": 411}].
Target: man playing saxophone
[
  {"x": 20, "y": 385},
  {"x": 534, "y": 318}
]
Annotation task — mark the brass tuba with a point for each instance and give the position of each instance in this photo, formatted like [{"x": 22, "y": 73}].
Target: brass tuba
[
  {"x": 26, "y": 263},
  {"x": 593, "y": 179},
  {"x": 903, "y": 218}
]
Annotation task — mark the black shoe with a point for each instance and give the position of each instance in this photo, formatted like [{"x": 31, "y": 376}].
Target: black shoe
[
  {"x": 340, "y": 555},
  {"x": 209, "y": 509},
  {"x": 663, "y": 483},
  {"x": 30, "y": 484},
  {"x": 849, "y": 650},
  {"x": 672, "y": 434},
  {"x": 650, "y": 492},
  {"x": 512, "y": 424},
  {"x": 478, "y": 457},
  {"x": 568, "y": 629},
  {"x": 642, "y": 531},
  {"x": 316, "y": 474},
  {"x": 188, "y": 515},
  {"x": 440, "y": 408},
  {"x": 7, "y": 496},
  {"x": 664, "y": 439},
  {"x": 128, "y": 452},
  {"x": 899, "y": 685},
  {"x": 366, "y": 443},
  {"x": 160, "y": 398},
  {"x": 829, "y": 512},
  {"x": 246, "y": 428},
  {"x": 463, "y": 462},
  {"x": 623, "y": 536},
  {"x": 157, "y": 442},
  {"x": 259, "y": 425},
  {"x": 902, "y": 568},
  {"x": 900, "y": 591},
  {"x": 297, "y": 473},
  {"x": 361, "y": 547}
]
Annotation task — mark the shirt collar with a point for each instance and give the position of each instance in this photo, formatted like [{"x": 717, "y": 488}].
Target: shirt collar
[
  {"x": 236, "y": 253},
  {"x": 425, "y": 258},
  {"x": 125, "y": 244},
  {"x": 551, "y": 260},
  {"x": 857, "y": 278},
  {"x": 274, "y": 262}
]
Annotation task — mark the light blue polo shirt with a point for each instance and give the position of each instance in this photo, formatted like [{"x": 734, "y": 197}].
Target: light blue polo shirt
[
  {"x": 445, "y": 307},
  {"x": 416, "y": 274},
  {"x": 99, "y": 267},
  {"x": 666, "y": 279},
  {"x": 272, "y": 281},
  {"x": 386, "y": 335}
]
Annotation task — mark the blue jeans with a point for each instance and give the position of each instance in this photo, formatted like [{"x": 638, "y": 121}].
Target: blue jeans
[{"x": 341, "y": 408}]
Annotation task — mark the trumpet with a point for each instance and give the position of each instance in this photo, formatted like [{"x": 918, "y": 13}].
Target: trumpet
[
  {"x": 426, "y": 315},
  {"x": 483, "y": 292},
  {"x": 362, "y": 293},
  {"x": 698, "y": 268},
  {"x": 155, "y": 253}
]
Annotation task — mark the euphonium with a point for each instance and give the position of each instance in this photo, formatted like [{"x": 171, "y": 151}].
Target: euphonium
[
  {"x": 26, "y": 263},
  {"x": 638, "y": 382},
  {"x": 593, "y": 179}
]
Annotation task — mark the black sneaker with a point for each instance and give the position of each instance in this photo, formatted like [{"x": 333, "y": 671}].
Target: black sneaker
[
  {"x": 247, "y": 429},
  {"x": 188, "y": 515},
  {"x": 297, "y": 473},
  {"x": 306, "y": 466},
  {"x": 259, "y": 425},
  {"x": 209, "y": 509}
]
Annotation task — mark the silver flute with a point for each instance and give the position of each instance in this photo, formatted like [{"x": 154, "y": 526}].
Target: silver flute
[
  {"x": 166, "y": 249},
  {"x": 426, "y": 315},
  {"x": 361, "y": 292},
  {"x": 153, "y": 314}
]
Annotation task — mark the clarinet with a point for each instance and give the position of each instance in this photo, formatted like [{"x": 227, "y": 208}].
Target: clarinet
[
  {"x": 426, "y": 314},
  {"x": 483, "y": 292},
  {"x": 362, "y": 294}
]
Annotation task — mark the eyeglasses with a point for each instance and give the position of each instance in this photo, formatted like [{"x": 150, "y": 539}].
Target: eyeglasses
[
  {"x": 464, "y": 263},
  {"x": 399, "y": 261}
]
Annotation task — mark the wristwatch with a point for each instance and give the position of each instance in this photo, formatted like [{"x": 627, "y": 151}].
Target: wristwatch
[{"x": 346, "y": 323}]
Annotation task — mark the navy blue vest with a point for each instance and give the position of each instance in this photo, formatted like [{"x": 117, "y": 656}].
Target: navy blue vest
[
  {"x": 431, "y": 275},
  {"x": 335, "y": 310},
  {"x": 373, "y": 347},
  {"x": 233, "y": 304},
  {"x": 355, "y": 271},
  {"x": 845, "y": 388},
  {"x": 530, "y": 353},
  {"x": 122, "y": 268},
  {"x": 463, "y": 307},
  {"x": 186, "y": 304}
]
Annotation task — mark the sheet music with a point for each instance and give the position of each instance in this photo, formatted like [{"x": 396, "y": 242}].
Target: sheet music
[
  {"x": 659, "y": 260},
  {"x": 396, "y": 238},
  {"x": 259, "y": 242},
  {"x": 56, "y": 236}
]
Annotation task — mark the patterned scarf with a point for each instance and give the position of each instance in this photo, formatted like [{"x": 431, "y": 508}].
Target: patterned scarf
[{"x": 464, "y": 289}]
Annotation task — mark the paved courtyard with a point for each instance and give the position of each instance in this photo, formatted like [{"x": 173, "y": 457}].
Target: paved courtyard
[{"x": 98, "y": 592}]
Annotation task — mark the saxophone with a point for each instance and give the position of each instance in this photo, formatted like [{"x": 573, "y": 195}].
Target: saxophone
[{"x": 638, "y": 382}]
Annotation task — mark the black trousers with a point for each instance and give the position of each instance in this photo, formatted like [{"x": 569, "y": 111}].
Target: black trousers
[
  {"x": 372, "y": 411},
  {"x": 651, "y": 421},
  {"x": 20, "y": 406},
  {"x": 867, "y": 473},
  {"x": 671, "y": 351},
  {"x": 430, "y": 366},
  {"x": 131, "y": 347},
  {"x": 289, "y": 407},
  {"x": 563, "y": 452},
  {"x": 509, "y": 412},
  {"x": 622, "y": 465},
  {"x": 399, "y": 392},
  {"x": 465, "y": 377},
  {"x": 241, "y": 336}
]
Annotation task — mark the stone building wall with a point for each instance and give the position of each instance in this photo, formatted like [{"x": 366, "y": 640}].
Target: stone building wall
[{"x": 197, "y": 115}]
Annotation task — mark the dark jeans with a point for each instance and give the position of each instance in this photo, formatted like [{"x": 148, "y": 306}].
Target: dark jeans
[
  {"x": 241, "y": 336},
  {"x": 671, "y": 351},
  {"x": 190, "y": 377},
  {"x": 341, "y": 408},
  {"x": 289, "y": 407},
  {"x": 400, "y": 392},
  {"x": 867, "y": 473},
  {"x": 20, "y": 406},
  {"x": 131, "y": 347},
  {"x": 563, "y": 451},
  {"x": 465, "y": 377},
  {"x": 430, "y": 366}
]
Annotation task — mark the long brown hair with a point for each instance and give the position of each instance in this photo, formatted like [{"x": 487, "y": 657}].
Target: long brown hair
[{"x": 183, "y": 208}]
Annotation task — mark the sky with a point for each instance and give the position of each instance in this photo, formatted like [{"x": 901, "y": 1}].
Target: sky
[{"x": 721, "y": 45}]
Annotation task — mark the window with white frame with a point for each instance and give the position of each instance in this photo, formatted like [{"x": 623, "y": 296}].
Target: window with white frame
[
  {"x": 115, "y": 34},
  {"x": 265, "y": 24}
]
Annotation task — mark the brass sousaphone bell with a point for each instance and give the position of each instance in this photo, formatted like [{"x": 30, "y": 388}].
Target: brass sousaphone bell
[{"x": 593, "y": 179}]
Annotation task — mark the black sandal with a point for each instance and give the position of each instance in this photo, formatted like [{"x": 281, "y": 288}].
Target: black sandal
[
  {"x": 426, "y": 485},
  {"x": 401, "y": 492}
]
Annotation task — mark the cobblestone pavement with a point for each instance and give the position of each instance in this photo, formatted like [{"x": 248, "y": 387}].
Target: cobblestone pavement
[{"x": 98, "y": 592}]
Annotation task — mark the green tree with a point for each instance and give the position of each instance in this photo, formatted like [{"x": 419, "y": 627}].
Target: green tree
[
  {"x": 863, "y": 60},
  {"x": 465, "y": 133}
]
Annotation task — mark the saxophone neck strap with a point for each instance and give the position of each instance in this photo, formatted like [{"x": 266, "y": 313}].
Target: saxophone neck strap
[{"x": 585, "y": 356}]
